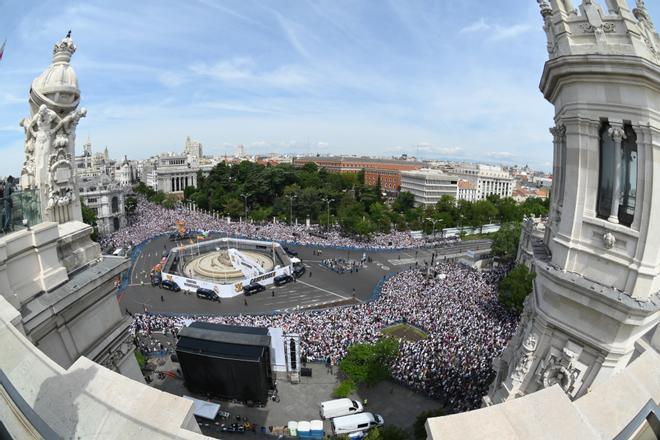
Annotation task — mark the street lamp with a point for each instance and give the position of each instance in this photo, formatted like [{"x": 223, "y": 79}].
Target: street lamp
[
  {"x": 433, "y": 221},
  {"x": 328, "y": 201},
  {"x": 291, "y": 197},
  {"x": 245, "y": 197}
]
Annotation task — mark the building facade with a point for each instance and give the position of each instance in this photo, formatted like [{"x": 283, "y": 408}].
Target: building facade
[
  {"x": 467, "y": 190},
  {"x": 489, "y": 180},
  {"x": 598, "y": 267},
  {"x": 173, "y": 173},
  {"x": 428, "y": 186},
  {"x": 105, "y": 197},
  {"x": 388, "y": 171}
]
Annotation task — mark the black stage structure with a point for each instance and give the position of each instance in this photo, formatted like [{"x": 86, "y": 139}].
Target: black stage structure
[{"x": 226, "y": 361}]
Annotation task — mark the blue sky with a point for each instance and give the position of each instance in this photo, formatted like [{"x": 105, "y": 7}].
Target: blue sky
[{"x": 445, "y": 78}]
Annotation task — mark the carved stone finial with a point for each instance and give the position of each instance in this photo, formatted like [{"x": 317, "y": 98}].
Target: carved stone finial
[
  {"x": 609, "y": 240},
  {"x": 64, "y": 49},
  {"x": 642, "y": 15},
  {"x": 617, "y": 133},
  {"x": 546, "y": 10}
]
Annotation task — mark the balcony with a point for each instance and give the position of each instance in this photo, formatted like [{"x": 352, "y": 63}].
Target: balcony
[{"x": 25, "y": 210}]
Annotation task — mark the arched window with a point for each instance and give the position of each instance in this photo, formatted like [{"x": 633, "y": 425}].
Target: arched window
[
  {"x": 606, "y": 172},
  {"x": 628, "y": 177},
  {"x": 115, "y": 204},
  {"x": 617, "y": 179}
]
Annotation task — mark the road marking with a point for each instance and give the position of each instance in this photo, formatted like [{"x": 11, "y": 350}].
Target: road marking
[
  {"x": 401, "y": 262},
  {"x": 135, "y": 265},
  {"x": 326, "y": 291}
]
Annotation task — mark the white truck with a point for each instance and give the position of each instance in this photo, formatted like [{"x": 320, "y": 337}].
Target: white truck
[
  {"x": 362, "y": 422},
  {"x": 339, "y": 407}
]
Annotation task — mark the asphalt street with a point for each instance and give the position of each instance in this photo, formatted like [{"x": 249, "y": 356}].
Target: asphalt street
[{"x": 318, "y": 287}]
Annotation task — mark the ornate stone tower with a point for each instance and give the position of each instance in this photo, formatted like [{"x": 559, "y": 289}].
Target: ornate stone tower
[
  {"x": 50, "y": 136},
  {"x": 598, "y": 266}
]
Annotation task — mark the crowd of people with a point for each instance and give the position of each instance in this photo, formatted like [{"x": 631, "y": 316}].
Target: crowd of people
[
  {"x": 151, "y": 219},
  {"x": 342, "y": 265},
  {"x": 459, "y": 311}
]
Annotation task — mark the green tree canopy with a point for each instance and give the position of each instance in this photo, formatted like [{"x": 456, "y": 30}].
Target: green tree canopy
[
  {"x": 505, "y": 241},
  {"x": 89, "y": 217},
  {"x": 515, "y": 287},
  {"x": 369, "y": 363}
]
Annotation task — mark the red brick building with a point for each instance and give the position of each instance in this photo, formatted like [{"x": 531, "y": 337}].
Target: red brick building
[{"x": 388, "y": 170}]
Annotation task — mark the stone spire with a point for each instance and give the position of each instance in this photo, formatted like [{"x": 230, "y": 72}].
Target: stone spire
[
  {"x": 597, "y": 285},
  {"x": 593, "y": 29},
  {"x": 50, "y": 133}
]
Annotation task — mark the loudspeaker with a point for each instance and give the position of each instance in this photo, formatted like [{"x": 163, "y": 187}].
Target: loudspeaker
[
  {"x": 305, "y": 371},
  {"x": 292, "y": 345}
]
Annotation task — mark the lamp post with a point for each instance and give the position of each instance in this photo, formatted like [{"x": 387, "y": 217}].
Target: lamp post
[
  {"x": 245, "y": 197},
  {"x": 291, "y": 197},
  {"x": 328, "y": 201},
  {"x": 433, "y": 221}
]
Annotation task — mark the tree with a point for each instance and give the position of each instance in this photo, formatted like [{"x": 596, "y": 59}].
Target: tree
[
  {"x": 505, "y": 241},
  {"x": 389, "y": 432},
  {"x": 89, "y": 217},
  {"x": 233, "y": 207},
  {"x": 344, "y": 389},
  {"x": 130, "y": 204},
  {"x": 515, "y": 287},
  {"x": 369, "y": 363},
  {"x": 419, "y": 428},
  {"x": 404, "y": 202},
  {"x": 169, "y": 201}
]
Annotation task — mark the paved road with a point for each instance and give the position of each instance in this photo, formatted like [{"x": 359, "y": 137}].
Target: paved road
[{"x": 324, "y": 287}]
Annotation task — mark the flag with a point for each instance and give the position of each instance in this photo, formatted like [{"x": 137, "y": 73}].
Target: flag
[{"x": 2, "y": 48}]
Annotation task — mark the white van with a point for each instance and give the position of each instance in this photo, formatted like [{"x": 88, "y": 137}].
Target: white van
[
  {"x": 354, "y": 423},
  {"x": 339, "y": 407}
]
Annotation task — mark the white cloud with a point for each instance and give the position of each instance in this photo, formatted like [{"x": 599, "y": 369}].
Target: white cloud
[
  {"x": 427, "y": 149},
  {"x": 496, "y": 32},
  {"x": 243, "y": 71},
  {"x": 171, "y": 79},
  {"x": 501, "y": 155},
  {"x": 478, "y": 26}
]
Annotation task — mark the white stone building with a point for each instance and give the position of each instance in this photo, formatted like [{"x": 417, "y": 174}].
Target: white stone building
[
  {"x": 467, "y": 190},
  {"x": 193, "y": 149},
  {"x": 488, "y": 179},
  {"x": 105, "y": 197},
  {"x": 172, "y": 173},
  {"x": 428, "y": 186}
]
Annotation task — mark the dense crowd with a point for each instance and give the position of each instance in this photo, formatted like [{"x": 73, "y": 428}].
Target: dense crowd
[
  {"x": 465, "y": 323},
  {"x": 342, "y": 265},
  {"x": 152, "y": 220}
]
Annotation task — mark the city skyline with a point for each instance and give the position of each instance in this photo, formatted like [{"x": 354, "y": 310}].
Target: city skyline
[{"x": 456, "y": 80}]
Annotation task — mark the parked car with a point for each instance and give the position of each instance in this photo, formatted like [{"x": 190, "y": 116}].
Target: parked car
[
  {"x": 253, "y": 288},
  {"x": 290, "y": 252},
  {"x": 282, "y": 279},
  {"x": 355, "y": 423},
  {"x": 207, "y": 294},
  {"x": 339, "y": 407},
  {"x": 170, "y": 285},
  {"x": 298, "y": 270}
]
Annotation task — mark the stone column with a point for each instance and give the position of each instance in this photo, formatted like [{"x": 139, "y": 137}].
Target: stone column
[{"x": 618, "y": 135}]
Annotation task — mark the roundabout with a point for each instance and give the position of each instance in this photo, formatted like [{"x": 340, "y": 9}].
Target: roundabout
[
  {"x": 317, "y": 288},
  {"x": 218, "y": 265}
]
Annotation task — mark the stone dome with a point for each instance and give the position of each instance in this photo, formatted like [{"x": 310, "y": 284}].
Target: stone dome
[{"x": 57, "y": 86}]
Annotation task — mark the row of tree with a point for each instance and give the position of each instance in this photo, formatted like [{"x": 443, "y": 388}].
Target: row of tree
[{"x": 287, "y": 193}]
